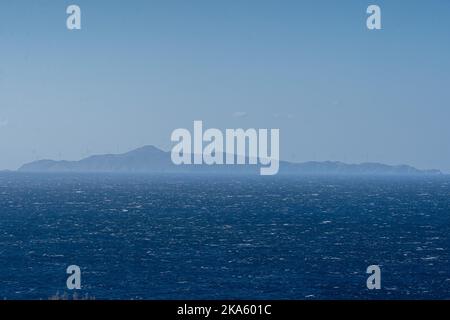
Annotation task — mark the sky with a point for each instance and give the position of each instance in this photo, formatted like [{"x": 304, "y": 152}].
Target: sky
[{"x": 137, "y": 70}]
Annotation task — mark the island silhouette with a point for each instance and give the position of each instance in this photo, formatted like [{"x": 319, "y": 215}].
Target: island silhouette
[{"x": 149, "y": 159}]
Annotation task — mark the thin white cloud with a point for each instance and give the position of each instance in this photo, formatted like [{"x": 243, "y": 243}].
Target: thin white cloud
[
  {"x": 336, "y": 102},
  {"x": 283, "y": 115},
  {"x": 239, "y": 114},
  {"x": 3, "y": 123}
]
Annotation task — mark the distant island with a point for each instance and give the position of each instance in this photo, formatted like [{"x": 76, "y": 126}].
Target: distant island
[{"x": 150, "y": 159}]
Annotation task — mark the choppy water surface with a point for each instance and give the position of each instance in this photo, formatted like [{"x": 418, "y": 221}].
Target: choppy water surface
[{"x": 187, "y": 237}]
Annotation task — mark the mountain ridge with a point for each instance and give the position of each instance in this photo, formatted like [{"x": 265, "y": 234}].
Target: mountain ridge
[{"x": 149, "y": 159}]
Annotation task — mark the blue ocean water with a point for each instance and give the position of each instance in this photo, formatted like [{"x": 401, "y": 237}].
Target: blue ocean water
[{"x": 224, "y": 237}]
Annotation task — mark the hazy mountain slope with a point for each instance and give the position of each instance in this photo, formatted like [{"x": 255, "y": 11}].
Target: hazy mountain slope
[{"x": 149, "y": 159}]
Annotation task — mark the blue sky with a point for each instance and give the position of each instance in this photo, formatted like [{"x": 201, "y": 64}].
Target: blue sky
[{"x": 140, "y": 69}]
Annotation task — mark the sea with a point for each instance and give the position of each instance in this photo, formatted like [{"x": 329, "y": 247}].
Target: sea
[{"x": 224, "y": 236}]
